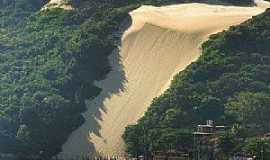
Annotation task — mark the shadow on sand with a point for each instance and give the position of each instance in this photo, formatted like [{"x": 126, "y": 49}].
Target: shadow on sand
[{"x": 113, "y": 84}]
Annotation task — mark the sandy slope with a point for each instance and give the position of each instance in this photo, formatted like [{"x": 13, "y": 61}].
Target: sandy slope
[
  {"x": 57, "y": 4},
  {"x": 161, "y": 42},
  {"x": 262, "y": 3}
]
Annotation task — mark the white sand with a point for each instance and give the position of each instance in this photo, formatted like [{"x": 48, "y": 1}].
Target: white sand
[
  {"x": 262, "y": 3},
  {"x": 57, "y": 4},
  {"x": 161, "y": 42}
]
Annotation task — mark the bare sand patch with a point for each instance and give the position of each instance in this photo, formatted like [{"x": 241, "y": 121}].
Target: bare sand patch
[
  {"x": 160, "y": 42},
  {"x": 57, "y": 4}
]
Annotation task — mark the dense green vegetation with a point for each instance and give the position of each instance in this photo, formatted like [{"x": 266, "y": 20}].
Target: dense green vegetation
[
  {"x": 14, "y": 11},
  {"x": 228, "y": 84},
  {"x": 48, "y": 62}
]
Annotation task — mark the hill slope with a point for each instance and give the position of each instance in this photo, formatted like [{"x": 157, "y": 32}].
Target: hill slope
[
  {"x": 161, "y": 42},
  {"x": 229, "y": 84},
  {"x": 49, "y": 60}
]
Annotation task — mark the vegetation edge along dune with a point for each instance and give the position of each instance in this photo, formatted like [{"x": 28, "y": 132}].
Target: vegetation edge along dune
[
  {"x": 49, "y": 63},
  {"x": 227, "y": 84},
  {"x": 160, "y": 42}
]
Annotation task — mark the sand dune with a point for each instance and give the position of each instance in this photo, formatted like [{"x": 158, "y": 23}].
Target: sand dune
[{"x": 161, "y": 42}]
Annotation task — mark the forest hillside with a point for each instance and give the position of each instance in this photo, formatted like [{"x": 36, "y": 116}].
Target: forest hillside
[
  {"x": 229, "y": 84},
  {"x": 49, "y": 60}
]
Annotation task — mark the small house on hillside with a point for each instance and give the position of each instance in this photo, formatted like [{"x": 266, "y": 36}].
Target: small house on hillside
[
  {"x": 206, "y": 140},
  {"x": 210, "y": 128}
]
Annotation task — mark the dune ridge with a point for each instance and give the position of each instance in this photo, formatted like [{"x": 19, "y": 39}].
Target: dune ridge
[{"x": 160, "y": 42}]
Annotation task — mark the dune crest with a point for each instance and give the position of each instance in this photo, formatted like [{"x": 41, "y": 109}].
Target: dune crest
[{"x": 160, "y": 42}]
